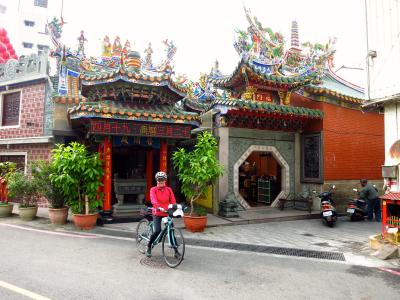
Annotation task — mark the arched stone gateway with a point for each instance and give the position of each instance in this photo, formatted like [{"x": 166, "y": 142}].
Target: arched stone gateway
[{"x": 285, "y": 182}]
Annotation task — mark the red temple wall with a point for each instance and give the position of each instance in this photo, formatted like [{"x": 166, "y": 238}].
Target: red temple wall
[{"x": 353, "y": 141}]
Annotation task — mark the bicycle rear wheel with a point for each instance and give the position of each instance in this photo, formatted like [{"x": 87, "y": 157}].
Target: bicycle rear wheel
[
  {"x": 173, "y": 247},
  {"x": 144, "y": 230}
]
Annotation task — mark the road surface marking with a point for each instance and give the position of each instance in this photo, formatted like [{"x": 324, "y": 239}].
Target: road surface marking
[
  {"x": 86, "y": 236},
  {"x": 22, "y": 291},
  {"x": 390, "y": 271}
]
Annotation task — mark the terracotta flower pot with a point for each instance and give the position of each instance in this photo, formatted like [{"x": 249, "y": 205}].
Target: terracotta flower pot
[
  {"x": 5, "y": 210},
  {"x": 58, "y": 216},
  {"x": 195, "y": 223},
  {"x": 85, "y": 222},
  {"x": 28, "y": 213}
]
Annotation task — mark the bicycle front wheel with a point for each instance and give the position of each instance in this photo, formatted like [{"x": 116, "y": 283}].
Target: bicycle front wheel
[
  {"x": 173, "y": 247},
  {"x": 143, "y": 233}
]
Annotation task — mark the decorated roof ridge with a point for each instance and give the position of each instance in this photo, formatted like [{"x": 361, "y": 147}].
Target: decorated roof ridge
[
  {"x": 72, "y": 93},
  {"x": 266, "y": 49},
  {"x": 124, "y": 111},
  {"x": 333, "y": 86},
  {"x": 196, "y": 105},
  {"x": 263, "y": 72},
  {"x": 269, "y": 108},
  {"x": 344, "y": 81}
]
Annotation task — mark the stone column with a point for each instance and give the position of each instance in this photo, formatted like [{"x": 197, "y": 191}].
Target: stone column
[
  {"x": 222, "y": 187},
  {"x": 297, "y": 162}
]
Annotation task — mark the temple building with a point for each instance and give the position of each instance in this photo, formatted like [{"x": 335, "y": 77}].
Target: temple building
[
  {"x": 286, "y": 123},
  {"x": 125, "y": 108}
]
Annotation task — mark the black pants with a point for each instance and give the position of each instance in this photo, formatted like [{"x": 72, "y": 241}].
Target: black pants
[{"x": 157, "y": 229}]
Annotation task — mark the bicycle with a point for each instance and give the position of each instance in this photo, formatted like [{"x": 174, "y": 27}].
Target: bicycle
[{"x": 171, "y": 237}]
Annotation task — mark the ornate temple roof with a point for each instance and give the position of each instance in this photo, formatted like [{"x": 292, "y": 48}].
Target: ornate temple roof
[
  {"x": 120, "y": 85},
  {"x": 133, "y": 111},
  {"x": 268, "y": 108},
  {"x": 263, "y": 74},
  {"x": 333, "y": 85},
  {"x": 265, "y": 60}
]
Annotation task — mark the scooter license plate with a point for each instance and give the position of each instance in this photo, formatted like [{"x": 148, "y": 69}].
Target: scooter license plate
[
  {"x": 327, "y": 213},
  {"x": 350, "y": 210}
]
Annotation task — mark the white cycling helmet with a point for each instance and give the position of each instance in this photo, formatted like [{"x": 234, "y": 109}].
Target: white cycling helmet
[{"x": 161, "y": 175}]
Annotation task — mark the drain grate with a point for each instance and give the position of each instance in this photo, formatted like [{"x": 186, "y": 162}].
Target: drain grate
[
  {"x": 156, "y": 262},
  {"x": 269, "y": 249}
]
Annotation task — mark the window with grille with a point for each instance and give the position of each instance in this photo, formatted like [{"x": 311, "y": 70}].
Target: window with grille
[
  {"x": 42, "y": 48},
  {"x": 18, "y": 159},
  {"x": 10, "y": 109},
  {"x": 29, "y": 23},
  {"x": 40, "y": 3},
  {"x": 27, "y": 45}
]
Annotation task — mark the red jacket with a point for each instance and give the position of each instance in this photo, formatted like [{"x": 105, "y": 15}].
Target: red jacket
[{"x": 161, "y": 197}]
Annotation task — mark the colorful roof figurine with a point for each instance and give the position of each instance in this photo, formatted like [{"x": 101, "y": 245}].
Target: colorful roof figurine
[
  {"x": 125, "y": 65},
  {"x": 265, "y": 60}
]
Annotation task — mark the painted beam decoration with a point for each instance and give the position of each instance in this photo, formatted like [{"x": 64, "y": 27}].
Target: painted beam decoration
[{"x": 105, "y": 127}]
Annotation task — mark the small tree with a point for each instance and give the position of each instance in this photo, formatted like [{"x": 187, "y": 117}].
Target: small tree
[
  {"x": 41, "y": 172},
  {"x": 198, "y": 168},
  {"x": 78, "y": 174},
  {"x": 20, "y": 185}
]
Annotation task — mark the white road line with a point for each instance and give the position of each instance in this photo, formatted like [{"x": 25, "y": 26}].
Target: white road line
[
  {"x": 86, "y": 236},
  {"x": 22, "y": 291}
]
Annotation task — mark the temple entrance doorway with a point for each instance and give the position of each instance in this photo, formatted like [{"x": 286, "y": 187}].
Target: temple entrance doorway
[
  {"x": 260, "y": 179},
  {"x": 260, "y": 175}
]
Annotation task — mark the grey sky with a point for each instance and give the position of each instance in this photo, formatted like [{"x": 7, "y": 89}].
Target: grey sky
[{"x": 204, "y": 30}]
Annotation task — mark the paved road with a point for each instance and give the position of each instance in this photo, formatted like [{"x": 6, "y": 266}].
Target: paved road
[{"x": 69, "y": 266}]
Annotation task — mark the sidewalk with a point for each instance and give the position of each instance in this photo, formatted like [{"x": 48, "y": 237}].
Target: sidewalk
[{"x": 349, "y": 238}]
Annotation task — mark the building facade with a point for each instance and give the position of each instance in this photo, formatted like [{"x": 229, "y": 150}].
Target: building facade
[
  {"x": 287, "y": 124},
  {"x": 25, "y": 110},
  {"x": 26, "y": 21}
]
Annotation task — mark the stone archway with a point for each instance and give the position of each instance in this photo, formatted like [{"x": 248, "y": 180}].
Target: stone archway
[{"x": 285, "y": 182}]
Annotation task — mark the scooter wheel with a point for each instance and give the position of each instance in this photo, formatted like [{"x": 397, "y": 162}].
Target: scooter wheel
[
  {"x": 353, "y": 218},
  {"x": 330, "y": 224}
]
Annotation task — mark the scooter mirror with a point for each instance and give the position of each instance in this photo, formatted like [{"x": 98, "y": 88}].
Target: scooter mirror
[{"x": 355, "y": 190}]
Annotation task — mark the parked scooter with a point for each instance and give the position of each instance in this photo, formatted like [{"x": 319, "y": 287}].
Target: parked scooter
[
  {"x": 357, "y": 208},
  {"x": 328, "y": 209}
]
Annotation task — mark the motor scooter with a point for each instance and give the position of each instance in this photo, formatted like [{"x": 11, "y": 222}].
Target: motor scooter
[
  {"x": 357, "y": 208},
  {"x": 328, "y": 209}
]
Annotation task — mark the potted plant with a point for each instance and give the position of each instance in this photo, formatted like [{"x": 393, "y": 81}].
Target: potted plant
[
  {"x": 78, "y": 174},
  {"x": 41, "y": 172},
  {"x": 197, "y": 169},
  {"x": 25, "y": 188},
  {"x": 6, "y": 169}
]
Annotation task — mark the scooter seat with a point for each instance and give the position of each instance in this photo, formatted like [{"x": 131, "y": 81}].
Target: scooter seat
[{"x": 361, "y": 202}]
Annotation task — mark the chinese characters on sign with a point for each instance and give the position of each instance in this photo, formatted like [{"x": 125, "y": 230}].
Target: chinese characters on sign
[
  {"x": 263, "y": 97},
  {"x": 140, "y": 129},
  {"x": 107, "y": 174}
]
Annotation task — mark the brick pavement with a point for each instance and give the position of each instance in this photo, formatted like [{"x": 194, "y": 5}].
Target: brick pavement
[{"x": 346, "y": 236}]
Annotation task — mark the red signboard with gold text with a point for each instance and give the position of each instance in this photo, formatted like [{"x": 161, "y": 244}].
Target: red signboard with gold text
[{"x": 139, "y": 129}]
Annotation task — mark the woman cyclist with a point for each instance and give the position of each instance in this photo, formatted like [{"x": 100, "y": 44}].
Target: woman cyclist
[{"x": 161, "y": 196}]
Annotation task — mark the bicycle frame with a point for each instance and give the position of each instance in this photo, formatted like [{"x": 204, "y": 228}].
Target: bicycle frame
[{"x": 166, "y": 230}]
